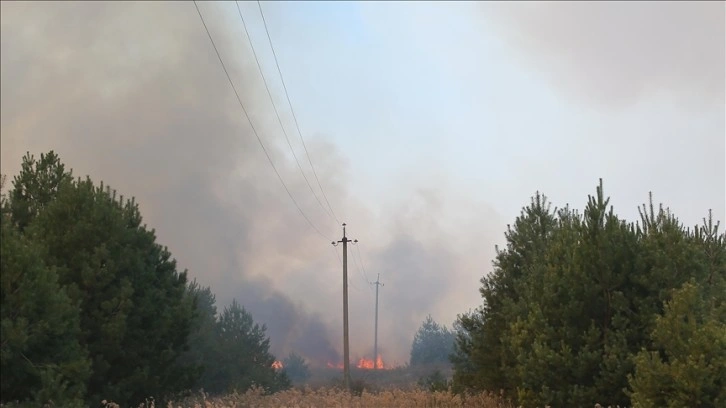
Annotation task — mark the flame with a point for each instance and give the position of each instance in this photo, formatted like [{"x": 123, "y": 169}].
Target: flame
[
  {"x": 363, "y": 363},
  {"x": 277, "y": 365},
  {"x": 367, "y": 364}
]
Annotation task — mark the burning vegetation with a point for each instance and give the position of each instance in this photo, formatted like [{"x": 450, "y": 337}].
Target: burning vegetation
[
  {"x": 363, "y": 363},
  {"x": 367, "y": 364}
]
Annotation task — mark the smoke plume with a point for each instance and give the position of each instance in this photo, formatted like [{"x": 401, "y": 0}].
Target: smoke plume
[
  {"x": 132, "y": 93},
  {"x": 615, "y": 53}
]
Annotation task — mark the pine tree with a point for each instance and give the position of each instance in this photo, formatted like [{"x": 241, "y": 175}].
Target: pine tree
[
  {"x": 688, "y": 364},
  {"x": 135, "y": 315},
  {"x": 480, "y": 359},
  {"x": 36, "y": 186},
  {"x": 202, "y": 337},
  {"x": 432, "y": 344},
  {"x": 40, "y": 357},
  {"x": 242, "y": 358},
  {"x": 296, "y": 368},
  {"x": 684, "y": 364},
  {"x": 572, "y": 300}
]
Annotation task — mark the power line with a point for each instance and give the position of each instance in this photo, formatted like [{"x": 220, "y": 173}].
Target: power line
[
  {"x": 361, "y": 263},
  {"x": 297, "y": 126},
  {"x": 358, "y": 266},
  {"x": 277, "y": 113},
  {"x": 254, "y": 130}
]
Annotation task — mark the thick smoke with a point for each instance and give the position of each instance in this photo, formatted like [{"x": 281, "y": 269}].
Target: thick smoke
[
  {"x": 615, "y": 53},
  {"x": 653, "y": 74},
  {"x": 132, "y": 94}
]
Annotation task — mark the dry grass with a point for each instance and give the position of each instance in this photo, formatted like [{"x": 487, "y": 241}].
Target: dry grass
[
  {"x": 335, "y": 398},
  {"x": 330, "y": 397}
]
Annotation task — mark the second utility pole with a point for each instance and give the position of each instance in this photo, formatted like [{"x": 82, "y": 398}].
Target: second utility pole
[
  {"x": 346, "y": 349},
  {"x": 375, "y": 338}
]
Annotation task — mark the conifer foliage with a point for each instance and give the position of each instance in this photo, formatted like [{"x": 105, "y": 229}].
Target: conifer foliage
[
  {"x": 93, "y": 308},
  {"x": 579, "y": 303}
]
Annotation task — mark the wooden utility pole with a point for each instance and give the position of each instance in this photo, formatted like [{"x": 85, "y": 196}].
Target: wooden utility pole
[
  {"x": 346, "y": 349},
  {"x": 375, "y": 336}
]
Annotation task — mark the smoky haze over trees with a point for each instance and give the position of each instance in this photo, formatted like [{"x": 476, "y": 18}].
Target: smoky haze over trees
[
  {"x": 132, "y": 94},
  {"x": 163, "y": 124},
  {"x": 432, "y": 344},
  {"x": 579, "y": 308}
]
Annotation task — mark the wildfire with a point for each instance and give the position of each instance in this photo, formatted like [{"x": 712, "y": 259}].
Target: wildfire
[
  {"x": 363, "y": 363},
  {"x": 277, "y": 365},
  {"x": 370, "y": 364}
]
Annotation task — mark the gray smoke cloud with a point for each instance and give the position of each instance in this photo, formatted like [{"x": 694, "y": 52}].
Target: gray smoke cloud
[
  {"x": 614, "y": 53},
  {"x": 133, "y": 94},
  {"x": 624, "y": 61}
]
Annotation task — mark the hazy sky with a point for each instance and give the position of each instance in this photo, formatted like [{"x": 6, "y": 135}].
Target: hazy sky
[{"x": 430, "y": 126}]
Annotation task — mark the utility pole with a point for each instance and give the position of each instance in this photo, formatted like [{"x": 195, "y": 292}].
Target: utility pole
[
  {"x": 346, "y": 349},
  {"x": 375, "y": 338}
]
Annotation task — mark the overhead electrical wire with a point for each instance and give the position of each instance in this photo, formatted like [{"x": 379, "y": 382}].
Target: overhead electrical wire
[
  {"x": 277, "y": 114},
  {"x": 357, "y": 265},
  {"x": 254, "y": 130},
  {"x": 297, "y": 126},
  {"x": 360, "y": 259}
]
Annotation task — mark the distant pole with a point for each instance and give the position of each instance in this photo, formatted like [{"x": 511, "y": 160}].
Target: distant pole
[
  {"x": 375, "y": 336},
  {"x": 346, "y": 349}
]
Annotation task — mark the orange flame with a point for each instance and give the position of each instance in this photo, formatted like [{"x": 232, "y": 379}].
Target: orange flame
[
  {"x": 367, "y": 364},
  {"x": 338, "y": 366},
  {"x": 277, "y": 365}
]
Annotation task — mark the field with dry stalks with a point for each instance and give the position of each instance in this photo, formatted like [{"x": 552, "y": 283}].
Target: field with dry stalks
[{"x": 331, "y": 397}]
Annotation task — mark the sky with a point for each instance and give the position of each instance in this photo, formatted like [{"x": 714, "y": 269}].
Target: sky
[{"x": 429, "y": 125}]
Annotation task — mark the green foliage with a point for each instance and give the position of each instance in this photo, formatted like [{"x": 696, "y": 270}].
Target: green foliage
[
  {"x": 36, "y": 186},
  {"x": 94, "y": 309},
  {"x": 202, "y": 337},
  {"x": 134, "y": 314},
  {"x": 40, "y": 356},
  {"x": 572, "y": 299},
  {"x": 296, "y": 369},
  {"x": 480, "y": 358},
  {"x": 687, "y": 367},
  {"x": 228, "y": 350},
  {"x": 241, "y": 357},
  {"x": 432, "y": 344}
]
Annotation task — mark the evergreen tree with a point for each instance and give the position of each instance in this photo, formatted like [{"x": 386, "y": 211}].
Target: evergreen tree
[
  {"x": 296, "y": 368},
  {"x": 480, "y": 359},
  {"x": 202, "y": 342},
  {"x": 432, "y": 344},
  {"x": 35, "y": 186},
  {"x": 686, "y": 364},
  {"x": 135, "y": 315},
  {"x": 242, "y": 358},
  {"x": 568, "y": 306},
  {"x": 40, "y": 357}
]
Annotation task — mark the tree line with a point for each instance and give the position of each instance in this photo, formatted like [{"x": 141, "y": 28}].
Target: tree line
[
  {"x": 93, "y": 308},
  {"x": 578, "y": 309},
  {"x": 588, "y": 308}
]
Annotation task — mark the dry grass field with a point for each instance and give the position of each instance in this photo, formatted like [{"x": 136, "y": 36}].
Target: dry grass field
[
  {"x": 330, "y": 397},
  {"x": 335, "y": 398}
]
